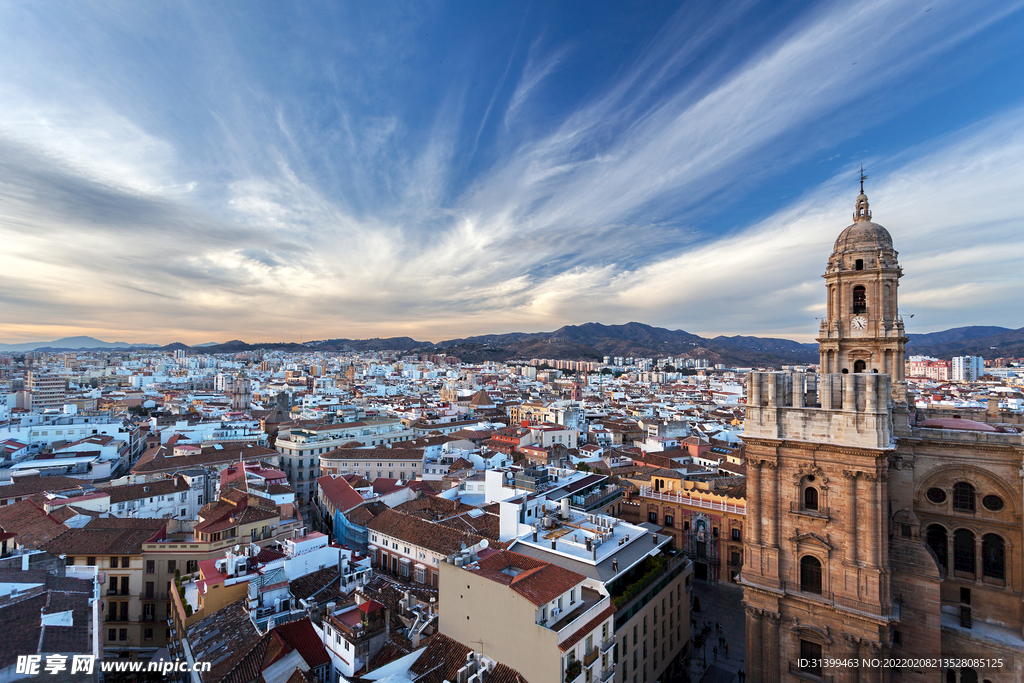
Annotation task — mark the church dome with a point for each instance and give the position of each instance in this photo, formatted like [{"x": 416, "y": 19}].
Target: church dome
[{"x": 863, "y": 235}]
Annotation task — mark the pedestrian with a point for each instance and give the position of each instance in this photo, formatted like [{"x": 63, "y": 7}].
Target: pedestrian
[
  {"x": 714, "y": 651},
  {"x": 726, "y": 648}
]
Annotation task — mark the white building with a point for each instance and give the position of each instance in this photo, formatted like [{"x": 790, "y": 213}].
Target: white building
[{"x": 968, "y": 368}]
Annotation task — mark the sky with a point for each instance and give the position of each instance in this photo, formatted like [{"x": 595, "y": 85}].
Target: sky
[{"x": 200, "y": 172}]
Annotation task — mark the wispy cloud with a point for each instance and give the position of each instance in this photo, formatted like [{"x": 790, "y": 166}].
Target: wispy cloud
[{"x": 326, "y": 216}]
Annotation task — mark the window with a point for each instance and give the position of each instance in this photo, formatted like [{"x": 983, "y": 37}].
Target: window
[
  {"x": 810, "y": 574},
  {"x": 69, "y": 561},
  {"x": 151, "y": 566},
  {"x": 992, "y": 503},
  {"x": 937, "y": 540},
  {"x": 122, "y": 634},
  {"x": 113, "y": 562},
  {"x": 858, "y": 264},
  {"x": 736, "y": 534},
  {"x": 810, "y": 498},
  {"x": 810, "y": 657},
  {"x": 669, "y": 520},
  {"x": 936, "y": 495},
  {"x": 993, "y": 556},
  {"x": 963, "y": 551},
  {"x": 112, "y": 634},
  {"x": 124, "y": 612},
  {"x": 860, "y": 299},
  {"x": 652, "y": 517},
  {"x": 90, "y": 561},
  {"x": 125, "y": 561},
  {"x": 963, "y": 497},
  {"x": 147, "y": 634}
]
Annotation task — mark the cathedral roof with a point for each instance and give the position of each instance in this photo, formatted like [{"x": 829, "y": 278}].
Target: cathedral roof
[{"x": 863, "y": 235}]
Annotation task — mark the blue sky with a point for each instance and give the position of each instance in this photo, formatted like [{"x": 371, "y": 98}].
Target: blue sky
[{"x": 265, "y": 171}]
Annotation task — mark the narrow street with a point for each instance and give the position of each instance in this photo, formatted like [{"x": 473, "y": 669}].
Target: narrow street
[{"x": 719, "y": 604}]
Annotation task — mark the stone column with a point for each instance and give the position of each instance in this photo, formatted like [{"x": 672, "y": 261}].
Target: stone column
[
  {"x": 754, "y": 637},
  {"x": 771, "y": 504},
  {"x": 870, "y": 674},
  {"x": 770, "y": 648},
  {"x": 871, "y": 534},
  {"x": 851, "y": 515},
  {"x": 798, "y": 390},
  {"x": 849, "y": 392},
  {"x": 850, "y": 674},
  {"x": 754, "y": 501}
]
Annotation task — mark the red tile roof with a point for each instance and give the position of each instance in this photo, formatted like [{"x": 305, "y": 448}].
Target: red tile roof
[{"x": 538, "y": 581}]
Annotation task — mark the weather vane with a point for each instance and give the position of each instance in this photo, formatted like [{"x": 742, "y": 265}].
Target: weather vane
[{"x": 863, "y": 177}]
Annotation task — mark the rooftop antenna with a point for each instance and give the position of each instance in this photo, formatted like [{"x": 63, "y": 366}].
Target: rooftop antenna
[{"x": 863, "y": 177}]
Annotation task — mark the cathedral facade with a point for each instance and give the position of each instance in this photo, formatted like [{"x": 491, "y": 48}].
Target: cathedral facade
[{"x": 880, "y": 545}]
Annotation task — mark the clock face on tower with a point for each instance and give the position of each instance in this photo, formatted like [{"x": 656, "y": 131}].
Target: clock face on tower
[{"x": 859, "y": 322}]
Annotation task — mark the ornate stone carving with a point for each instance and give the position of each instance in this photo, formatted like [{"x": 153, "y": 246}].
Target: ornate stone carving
[{"x": 808, "y": 469}]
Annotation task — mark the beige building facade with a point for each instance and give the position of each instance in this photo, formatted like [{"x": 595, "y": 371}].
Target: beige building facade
[{"x": 873, "y": 532}]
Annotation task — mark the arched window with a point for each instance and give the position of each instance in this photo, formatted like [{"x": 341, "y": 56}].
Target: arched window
[
  {"x": 950, "y": 675},
  {"x": 963, "y": 551},
  {"x": 993, "y": 556},
  {"x": 938, "y": 542},
  {"x": 963, "y": 496},
  {"x": 810, "y": 498},
  {"x": 968, "y": 675},
  {"x": 860, "y": 299},
  {"x": 859, "y": 366},
  {"x": 810, "y": 574}
]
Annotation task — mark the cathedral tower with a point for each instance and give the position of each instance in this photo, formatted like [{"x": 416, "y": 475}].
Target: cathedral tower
[{"x": 862, "y": 330}]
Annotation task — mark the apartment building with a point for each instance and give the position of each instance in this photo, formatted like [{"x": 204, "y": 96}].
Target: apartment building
[
  {"x": 413, "y": 549},
  {"x": 301, "y": 447},
  {"x": 48, "y": 390},
  {"x": 115, "y": 547},
  {"x": 372, "y": 463},
  {"x": 545, "y": 621},
  {"x": 647, "y": 580}
]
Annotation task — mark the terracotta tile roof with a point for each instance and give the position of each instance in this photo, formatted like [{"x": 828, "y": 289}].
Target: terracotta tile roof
[
  {"x": 301, "y": 636},
  {"x": 107, "y": 536},
  {"x": 28, "y": 485},
  {"x": 323, "y": 584},
  {"x": 225, "y": 639},
  {"x": 120, "y": 494},
  {"x": 538, "y": 581},
  {"x": 34, "y": 528},
  {"x": 416, "y": 531},
  {"x": 339, "y": 492},
  {"x": 443, "y": 657},
  {"x": 587, "y": 629},
  {"x": 162, "y": 458}
]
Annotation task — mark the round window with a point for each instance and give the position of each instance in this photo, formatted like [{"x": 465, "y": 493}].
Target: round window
[
  {"x": 993, "y": 503},
  {"x": 936, "y": 495},
  {"x": 810, "y": 477}
]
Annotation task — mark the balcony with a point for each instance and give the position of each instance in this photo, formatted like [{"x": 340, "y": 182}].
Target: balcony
[
  {"x": 692, "y": 501},
  {"x": 607, "y": 674},
  {"x": 607, "y": 645},
  {"x": 796, "y": 508},
  {"x": 591, "y": 656}
]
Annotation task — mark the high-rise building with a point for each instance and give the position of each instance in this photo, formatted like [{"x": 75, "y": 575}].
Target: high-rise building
[
  {"x": 873, "y": 532},
  {"x": 968, "y": 368},
  {"x": 48, "y": 390}
]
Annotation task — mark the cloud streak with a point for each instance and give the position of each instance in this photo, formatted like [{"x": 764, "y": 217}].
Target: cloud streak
[{"x": 334, "y": 212}]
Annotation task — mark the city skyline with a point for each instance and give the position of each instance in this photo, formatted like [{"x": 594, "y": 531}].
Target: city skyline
[{"x": 202, "y": 174}]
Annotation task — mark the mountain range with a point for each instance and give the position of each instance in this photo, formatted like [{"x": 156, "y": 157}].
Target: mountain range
[{"x": 593, "y": 341}]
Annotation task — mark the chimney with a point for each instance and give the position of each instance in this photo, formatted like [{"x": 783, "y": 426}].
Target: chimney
[
  {"x": 654, "y": 539},
  {"x": 615, "y": 564},
  {"x": 553, "y": 543}
]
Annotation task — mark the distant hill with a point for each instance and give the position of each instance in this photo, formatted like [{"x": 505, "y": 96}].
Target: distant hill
[
  {"x": 71, "y": 344},
  {"x": 593, "y": 341},
  {"x": 988, "y": 342}
]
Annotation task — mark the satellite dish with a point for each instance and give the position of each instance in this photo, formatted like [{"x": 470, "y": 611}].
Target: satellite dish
[{"x": 483, "y": 544}]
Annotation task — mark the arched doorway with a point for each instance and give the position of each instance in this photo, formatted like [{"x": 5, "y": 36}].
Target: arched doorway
[{"x": 859, "y": 366}]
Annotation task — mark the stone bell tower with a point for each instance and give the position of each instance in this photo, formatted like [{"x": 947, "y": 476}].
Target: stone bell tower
[
  {"x": 862, "y": 330},
  {"x": 816, "y": 571}
]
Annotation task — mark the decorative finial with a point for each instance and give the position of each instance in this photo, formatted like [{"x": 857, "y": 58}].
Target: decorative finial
[{"x": 862, "y": 212}]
